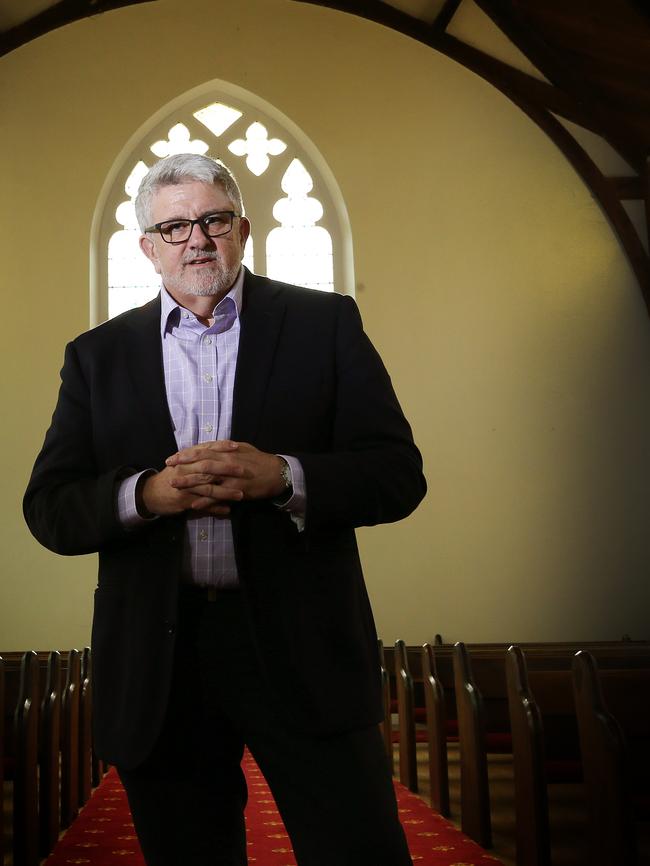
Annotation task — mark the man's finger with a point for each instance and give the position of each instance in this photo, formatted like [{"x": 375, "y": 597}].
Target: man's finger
[
  {"x": 209, "y": 468},
  {"x": 194, "y": 479},
  {"x": 214, "y": 493},
  {"x": 191, "y": 455}
]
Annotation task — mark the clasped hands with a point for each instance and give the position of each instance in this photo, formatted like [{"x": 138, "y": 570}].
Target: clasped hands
[{"x": 207, "y": 477}]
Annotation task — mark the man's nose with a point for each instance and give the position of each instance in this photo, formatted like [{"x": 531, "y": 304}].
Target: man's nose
[{"x": 198, "y": 234}]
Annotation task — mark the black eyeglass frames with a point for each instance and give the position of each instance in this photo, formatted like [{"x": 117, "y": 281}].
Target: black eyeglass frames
[{"x": 213, "y": 225}]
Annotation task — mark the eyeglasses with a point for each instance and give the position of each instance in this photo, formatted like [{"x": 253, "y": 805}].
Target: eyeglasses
[{"x": 213, "y": 225}]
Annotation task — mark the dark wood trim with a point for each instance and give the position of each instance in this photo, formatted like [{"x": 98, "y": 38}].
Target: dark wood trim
[
  {"x": 540, "y": 101},
  {"x": 599, "y": 105},
  {"x": 64, "y": 12},
  {"x": 646, "y": 197},
  {"x": 446, "y": 14},
  {"x": 628, "y": 188},
  {"x": 604, "y": 189},
  {"x": 510, "y": 81}
]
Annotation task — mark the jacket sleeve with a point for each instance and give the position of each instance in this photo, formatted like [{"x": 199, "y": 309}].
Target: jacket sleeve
[
  {"x": 69, "y": 504},
  {"x": 373, "y": 472}
]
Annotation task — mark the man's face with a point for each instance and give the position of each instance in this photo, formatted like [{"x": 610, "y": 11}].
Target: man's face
[{"x": 200, "y": 265}]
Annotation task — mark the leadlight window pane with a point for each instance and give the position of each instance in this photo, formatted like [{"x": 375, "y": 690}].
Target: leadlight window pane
[
  {"x": 217, "y": 117},
  {"x": 297, "y": 250},
  {"x": 131, "y": 279}
]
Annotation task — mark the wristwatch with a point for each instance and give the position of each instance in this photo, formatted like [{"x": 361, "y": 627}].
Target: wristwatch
[{"x": 285, "y": 473}]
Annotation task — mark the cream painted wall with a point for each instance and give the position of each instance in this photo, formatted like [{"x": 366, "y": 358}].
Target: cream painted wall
[{"x": 487, "y": 277}]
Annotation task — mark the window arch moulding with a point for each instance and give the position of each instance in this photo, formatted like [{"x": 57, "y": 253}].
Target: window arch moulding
[{"x": 300, "y": 226}]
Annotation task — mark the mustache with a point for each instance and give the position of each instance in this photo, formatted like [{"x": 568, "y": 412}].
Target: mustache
[{"x": 208, "y": 254}]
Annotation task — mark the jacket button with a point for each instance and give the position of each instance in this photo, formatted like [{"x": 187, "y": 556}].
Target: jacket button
[{"x": 170, "y": 627}]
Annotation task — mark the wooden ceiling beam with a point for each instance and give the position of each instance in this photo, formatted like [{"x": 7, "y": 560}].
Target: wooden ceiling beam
[
  {"x": 628, "y": 188},
  {"x": 63, "y": 12},
  {"x": 646, "y": 196},
  {"x": 564, "y": 70},
  {"x": 540, "y": 101},
  {"x": 604, "y": 189},
  {"x": 445, "y": 15}
]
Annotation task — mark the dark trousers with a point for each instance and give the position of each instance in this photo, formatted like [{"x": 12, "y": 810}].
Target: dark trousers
[{"x": 334, "y": 792}]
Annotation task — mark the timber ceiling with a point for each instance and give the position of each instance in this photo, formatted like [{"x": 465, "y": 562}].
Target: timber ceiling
[{"x": 593, "y": 56}]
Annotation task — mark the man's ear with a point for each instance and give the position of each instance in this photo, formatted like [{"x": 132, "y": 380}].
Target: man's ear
[
  {"x": 149, "y": 249},
  {"x": 244, "y": 230}
]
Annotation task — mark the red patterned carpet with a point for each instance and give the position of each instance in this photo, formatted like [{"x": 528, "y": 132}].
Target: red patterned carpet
[{"x": 103, "y": 834}]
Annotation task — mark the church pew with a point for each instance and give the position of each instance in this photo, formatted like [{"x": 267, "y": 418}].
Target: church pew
[
  {"x": 484, "y": 719},
  {"x": 49, "y": 751},
  {"x": 408, "y": 774},
  {"x": 387, "y": 725},
  {"x": 21, "y": 754},
  {"x": 85, "y": 729},
  {"x": 437, "y": 732},
  {"x": 64, "y": 746},
  {"x": 70, "y": 739},
  {"x": 613, "y": 710},
  {"x": 472, "y": 729},
  {"x": 544, "y": 745},
  {"x": 439, "y": 693},
  {"x": 440, "y": 698},
  {"x": 38, "y": 720}
]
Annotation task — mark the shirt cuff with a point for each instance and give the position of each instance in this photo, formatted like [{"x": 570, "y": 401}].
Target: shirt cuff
[
  {"x": 296, "y": 505},
  {"x": 127, "y": 511}
]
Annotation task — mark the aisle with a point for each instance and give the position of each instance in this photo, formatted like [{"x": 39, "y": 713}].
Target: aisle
[{"x": 103, "y": 834}]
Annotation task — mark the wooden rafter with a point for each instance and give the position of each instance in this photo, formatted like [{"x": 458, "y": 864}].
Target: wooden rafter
[
  {"x": 446, "y": 14},
  {"x": 64, "y": 12},
  {"x": 646, "y": 196},
  {"x": 540, "y": 101},
  {"x": 561, "y": 69}
]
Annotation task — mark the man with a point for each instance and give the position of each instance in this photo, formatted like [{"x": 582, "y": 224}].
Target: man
[{"x": 217, "y": 447}]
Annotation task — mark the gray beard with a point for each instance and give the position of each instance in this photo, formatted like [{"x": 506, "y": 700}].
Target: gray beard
[{"x": 203, "y": 284}]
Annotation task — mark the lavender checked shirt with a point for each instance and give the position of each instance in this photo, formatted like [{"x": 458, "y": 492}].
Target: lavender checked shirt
[{"x": 199, "y": 364}]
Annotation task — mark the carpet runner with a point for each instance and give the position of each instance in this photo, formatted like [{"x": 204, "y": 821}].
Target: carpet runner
[{"x": 103, "y": 834}]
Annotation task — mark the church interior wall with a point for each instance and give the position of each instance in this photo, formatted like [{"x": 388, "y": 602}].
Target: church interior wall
[{"x": 486, "y": 275}]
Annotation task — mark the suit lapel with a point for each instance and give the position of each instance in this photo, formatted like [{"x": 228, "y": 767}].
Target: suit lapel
[
  {"x": 145, "y": 370},
  {"x": 261, "y": 322}
]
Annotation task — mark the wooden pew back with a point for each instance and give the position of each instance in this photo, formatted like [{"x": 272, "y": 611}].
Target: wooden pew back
[
  {"x": 23, "y": 682},
  {"x": 613, "y": 710},
  {"x": 387, "y": 724},
  {"x": 484, "y": 715},
  {"x": 70, "y": 739},
  {"x": 49, "y": 764},
  {"x": 406, "y": 711}
]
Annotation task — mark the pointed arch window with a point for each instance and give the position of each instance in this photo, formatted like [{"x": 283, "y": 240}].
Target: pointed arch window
[{"x": 300, "y": 232}]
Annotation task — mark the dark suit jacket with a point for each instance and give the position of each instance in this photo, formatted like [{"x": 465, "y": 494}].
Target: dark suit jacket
[{"x": 308, "y": 383}]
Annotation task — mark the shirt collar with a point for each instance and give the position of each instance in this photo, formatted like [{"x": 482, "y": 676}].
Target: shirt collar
[{"x": 170, "y": 310}]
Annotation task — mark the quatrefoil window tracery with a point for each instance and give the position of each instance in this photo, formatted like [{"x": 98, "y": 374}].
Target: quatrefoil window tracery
[
  {"x": 257, "y": 147},
  {"x": 179, "y": 141}
]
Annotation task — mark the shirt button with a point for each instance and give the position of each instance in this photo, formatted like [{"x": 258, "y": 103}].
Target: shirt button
[
  {"x": 203, "y": 535},
  {"x": 186, "y": 315},
  {"x": 208, "y": 428},
  {"x": 207, "y": 377},
  {"x": 208, "y": 341}
]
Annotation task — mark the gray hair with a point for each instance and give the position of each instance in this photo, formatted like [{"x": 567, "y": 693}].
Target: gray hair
[{"x": 181, "y": 168}]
